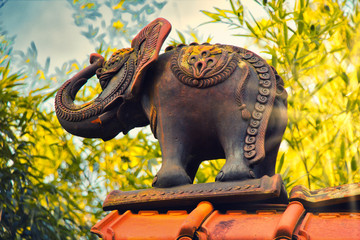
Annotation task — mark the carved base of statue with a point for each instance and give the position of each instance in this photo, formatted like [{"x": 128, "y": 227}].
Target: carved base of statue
[{"x": 237, "y": 193}]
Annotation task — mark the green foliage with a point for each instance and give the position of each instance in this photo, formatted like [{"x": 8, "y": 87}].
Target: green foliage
[
  {"x": 52, "y": 184},
  {"x": 41, "y": 185},
  {"x": 30, "y": 206},
  {"x": 315, "y": 47}
]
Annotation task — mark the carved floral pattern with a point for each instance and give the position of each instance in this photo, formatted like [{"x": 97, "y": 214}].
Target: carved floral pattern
[{"x": 204, "y": 65}]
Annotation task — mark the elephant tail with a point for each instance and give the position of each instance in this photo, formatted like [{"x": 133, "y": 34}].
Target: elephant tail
[{"x": 240, "y": 91}]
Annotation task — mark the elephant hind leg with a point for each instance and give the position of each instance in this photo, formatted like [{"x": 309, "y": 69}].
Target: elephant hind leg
[
  {"x": 234, "y": 172},
  {"x": 267, "y": 165},
  {"x": 236, "y": 167}
]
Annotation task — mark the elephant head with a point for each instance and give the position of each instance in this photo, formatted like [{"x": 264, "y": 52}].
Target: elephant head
[{"x": 117, "y": 108}]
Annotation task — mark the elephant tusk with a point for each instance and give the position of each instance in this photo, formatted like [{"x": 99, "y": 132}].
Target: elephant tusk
[{"x": 97, "y": 121}]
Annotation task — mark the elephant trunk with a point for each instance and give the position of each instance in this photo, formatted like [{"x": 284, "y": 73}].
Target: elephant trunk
[{"x": 91, "y": 120}]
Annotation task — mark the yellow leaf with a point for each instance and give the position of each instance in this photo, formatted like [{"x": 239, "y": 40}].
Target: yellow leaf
[
  {"x": 118, "y": 25},
  {"x": 88, "y": 5},
  {"x": 3, "y": 58},
  {"x": 41, "y": 73},
  {"x": 108, "y": 148},
  {"x": 74, "y": 66},
  {"x": 119, "y": 5}
]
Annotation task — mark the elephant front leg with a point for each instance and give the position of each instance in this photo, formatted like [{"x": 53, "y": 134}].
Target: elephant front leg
[{"x": 172, "y": 172}]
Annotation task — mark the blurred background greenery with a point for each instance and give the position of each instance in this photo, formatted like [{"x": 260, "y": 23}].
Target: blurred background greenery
[{"x": 52, "y": 184}]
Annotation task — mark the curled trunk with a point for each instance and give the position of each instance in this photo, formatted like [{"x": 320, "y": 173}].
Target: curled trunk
[{"x": 87, "y": 120}]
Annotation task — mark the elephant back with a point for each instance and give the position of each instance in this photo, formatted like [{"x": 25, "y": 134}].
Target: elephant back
[{"x": 205, "y": 65}]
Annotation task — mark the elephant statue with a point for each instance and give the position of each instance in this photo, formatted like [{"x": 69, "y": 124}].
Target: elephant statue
[{"x": 202, "y": 102}]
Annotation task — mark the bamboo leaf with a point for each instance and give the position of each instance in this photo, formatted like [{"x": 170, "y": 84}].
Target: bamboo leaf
[
  {"x": 181, "y": 36},
  {"x": 214, "y": 16},
  {"x": 251, "y": 29}
]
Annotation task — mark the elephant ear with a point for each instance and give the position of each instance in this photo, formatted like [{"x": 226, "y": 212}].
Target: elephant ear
[{"x": 147, "y": 44}]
